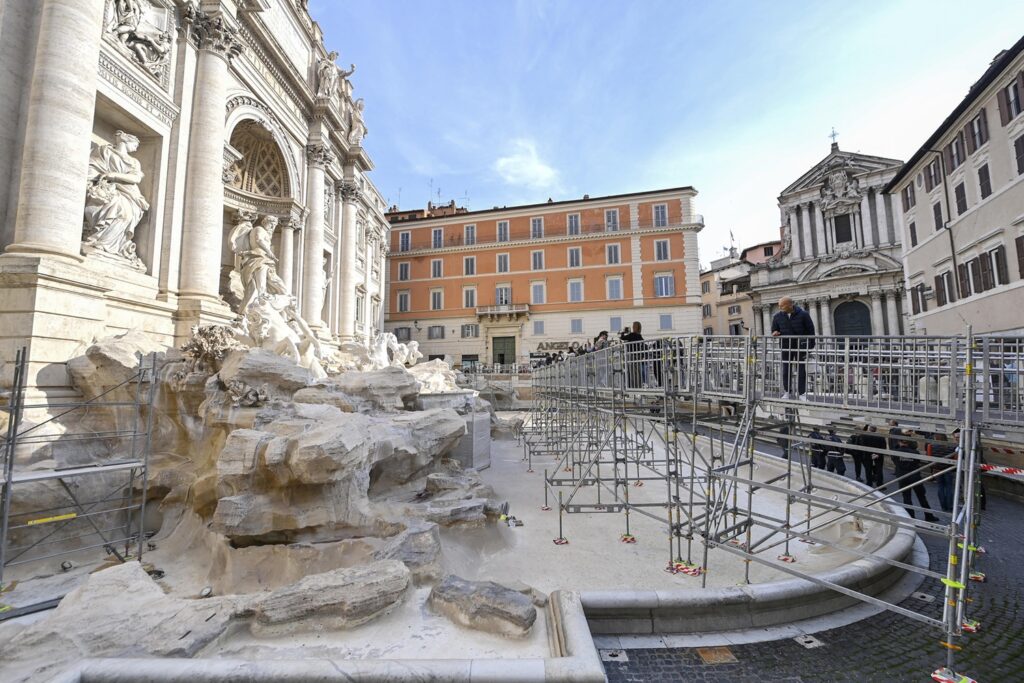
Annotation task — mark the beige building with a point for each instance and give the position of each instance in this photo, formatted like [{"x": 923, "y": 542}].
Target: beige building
[
  {"x": 960, "y": 203},
  {"x": 726, "y": 306},
  {"x": 840, "y": 255},
  {"x": 498, "y": 285},
  {"x": 146, "y": 144}
]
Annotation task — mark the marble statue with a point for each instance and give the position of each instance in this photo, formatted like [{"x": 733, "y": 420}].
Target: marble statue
[
  {"x": 327, "y": 76},
  {"x": 356, "y": 126},
  {"x": 149, "y": 45},
  {"x": 403, "y": 355},
  {"x": 114, "y": 205},
  {"x": 258, "y": 269}
]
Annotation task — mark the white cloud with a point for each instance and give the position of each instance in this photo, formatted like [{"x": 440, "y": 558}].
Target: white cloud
[{"x": 524, "y": 167}]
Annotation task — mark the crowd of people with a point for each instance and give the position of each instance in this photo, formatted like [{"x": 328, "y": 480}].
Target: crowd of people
[
  {"x": 601, "y": 341},
  {"x": 911, "y": 454}
]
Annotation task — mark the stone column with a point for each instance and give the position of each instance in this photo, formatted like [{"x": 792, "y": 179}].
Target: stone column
[
  {"x": 826, "y": 317},
  {"x": 893, "y": 313},
  {"x": 766, "y": 318},
  {"x": 758, "y": 326},
  {"x": 350, "y": 196},
  {"x": 367, "y": 271},
  {"x": 812, "y": 305},
  {"x": 820, "y": 227},
  {"x": 58, "y": 128},
  {"x": 286, "y": 265},
  {"x": 319, "y": 157},
  {"x": 877, "y": 326},
  {"x": 203, "y": 224},
  {"x": 883, "y": 231},
  {"x": 805, "y": 231}
]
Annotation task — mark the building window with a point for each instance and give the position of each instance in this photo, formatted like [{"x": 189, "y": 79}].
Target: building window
[
  {"x": 615, "y": 324},
  {"x": 965, "y": 274},
  {"x": 537, "y": 293},
  {"x": 576, "y": 326},
  {"x": 660, "y": 215},
  {"x": 843, "y": 228},
  {"x": 470, "y": 330},
  {"x": 661, "y": 250},
  {"x": 955, "y": 153},
  {"x": 469, "y": 297},
  {"x": 503, "y": 231},
  {"x": 997, "y": 266},
  {"x": 469, "y": 265},
  {"x": 360, "y": 306},
  {"x": 917, "y": 300},
  {"x": 960, "y": 192},
  {"x": 538, "y": 327},
  {"x": 572, "y": 222},
  {"x": 437, "y": 238},
  {"x": 984, "y": 182},
  {"x": 436, "y": 299},
  {"x": 403, "y": 334},
  {"x": 469, "y": 234},
  {"x": 436, "y": 269},
  {"x": 1019, "y": 242},
  {"x": 709, "y": 331},
  {"x": 665, "y": 321},
  {"x": 977, "y": 132},
  {"x": 937, "y": 215},
  {"x": 404, "y": 241},
  {"x": 932, "y": 176},
  {"x": 611, "y": 252},
  {"x": 944, "y": 289},
  {"x": 575, "y": 291},
  {"x": 537, "y": 260},
  {"x": 611, "y": 220},
  {"x": 705, "y": 287},
  {"x": 403, "y": 302},
  {"x": 403, "y": 271},
  {"x": 614, "y": 286},
  {"x": 502, "y": 263},
  {"x": 536, "y": 228},
  {"x": 435, "y": 332},
  {"x": 909, "y": 199},
  {"x": 769, "y": 251},
  {"x": 705, "y": 311},
  {"x": 665, "y": 284},
  {"x": 1018, "y": 148},
  {"x": 734, "y": 310},
  {"x": 1009, "y": 102},
  {"x": 575, "y": 257},
  {"x": 503, "y": 295},
  {"x": 913, "y": 234},
  {"x": 736, "y": 329}
]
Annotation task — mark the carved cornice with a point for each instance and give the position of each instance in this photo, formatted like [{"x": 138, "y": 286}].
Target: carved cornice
[
  {"x": 212, "y": 33},
  {"x": 319, "y": 155},
  {"x": 143, "y": 95}
]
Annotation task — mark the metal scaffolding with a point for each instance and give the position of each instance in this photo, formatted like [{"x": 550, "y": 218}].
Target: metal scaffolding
[
  {"x": 687, "y": 415},
  {"x": 98, "y": 502}
]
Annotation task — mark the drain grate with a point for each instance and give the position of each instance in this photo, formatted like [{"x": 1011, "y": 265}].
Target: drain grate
[
  {"x": 810, "y": 642},
  {"x": 923, "y": 597},
  {"x": 716, "y": 655},
  {"x": 614, "y": 656}
]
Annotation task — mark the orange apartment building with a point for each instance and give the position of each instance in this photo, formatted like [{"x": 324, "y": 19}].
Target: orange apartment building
[{"x": 498, "y": 285}]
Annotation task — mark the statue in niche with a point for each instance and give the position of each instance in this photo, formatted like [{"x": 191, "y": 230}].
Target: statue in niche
[
  {"x": 114, "y": 205},
  {"x": 356, "y": 127},
  {"x": 149, "y": 45},
  {"x": 258, "y": 269}
]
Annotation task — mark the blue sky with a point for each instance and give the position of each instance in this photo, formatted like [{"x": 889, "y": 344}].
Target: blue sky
[{"x": 503, "y": 103}]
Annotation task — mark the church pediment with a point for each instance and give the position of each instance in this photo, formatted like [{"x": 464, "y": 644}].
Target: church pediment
[
  {"x": 847, "y": 262},
  {"x": 825, "y": 173}
]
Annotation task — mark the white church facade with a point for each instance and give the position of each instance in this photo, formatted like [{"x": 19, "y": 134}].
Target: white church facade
[
  {"x": 138, "y": 136},
  {"x": 840, "y": 256}
]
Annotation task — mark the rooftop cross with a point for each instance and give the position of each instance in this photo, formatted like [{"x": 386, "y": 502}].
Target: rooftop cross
[{"x": 833, "y": 135}]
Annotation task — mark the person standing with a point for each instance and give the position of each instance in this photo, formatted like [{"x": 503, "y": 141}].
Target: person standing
[
  {"x": 635, "y": 359},
  {"x": 818, "y": 450},
  {"x": 946, "y": 478},
  {"x": 875, "y": 461},
  {"x": 796, "y": 329},
  {"x": 908, "y": 478},
  {"x": 860, "y": 459},
  {"x": 834, "y": 455}
]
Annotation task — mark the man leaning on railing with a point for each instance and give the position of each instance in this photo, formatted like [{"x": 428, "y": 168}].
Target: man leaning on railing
[{"x": 792, "y": 321}]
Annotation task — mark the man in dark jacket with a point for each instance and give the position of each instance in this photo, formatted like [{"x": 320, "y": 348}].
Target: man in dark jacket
[
  {"x": 796, "y": 328},
  {"x": 908, "y": 478},
  {"x": 875, "y": 461},
  {"x": 818, "y": 451}
]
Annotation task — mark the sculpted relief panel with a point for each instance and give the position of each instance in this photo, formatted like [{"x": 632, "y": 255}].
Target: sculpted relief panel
[{"x": 143, "y": 33}]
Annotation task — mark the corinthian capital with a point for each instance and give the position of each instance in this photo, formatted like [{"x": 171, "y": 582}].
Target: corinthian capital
[
  {"x": 319, "y": 155},
  {"x": 349, "y": 191},
  {"x": 212, "y": 33}
]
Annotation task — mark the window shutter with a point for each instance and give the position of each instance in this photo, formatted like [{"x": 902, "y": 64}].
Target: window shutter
[
  {"x": 1004, "y": 107},
  {"x": 987, "y": 282},
  {"x": 947, "y": 152},
  {"x": 940, "y": 291},
  {"x": 920, "y": 293},
  {"x": 1001, "y": 269},
  {"x": 906, "y": 199},
  {"x": 1020, "y": 88},
  {"x": 965, "y": 282},
  {"x": 976, "y": 278},
  {"x": 984, "y": 125},
  {"x": 915, "y": 303},
  {"x": 951, "y": 290},
  {"x": 969, "y": 136},
  {"x": 1020, "y": 255}
]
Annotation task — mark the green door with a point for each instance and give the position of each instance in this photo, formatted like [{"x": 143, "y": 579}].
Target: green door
[{"x": 504, "y": 350}]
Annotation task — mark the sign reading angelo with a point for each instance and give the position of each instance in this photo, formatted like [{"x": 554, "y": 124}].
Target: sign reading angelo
[{"x": 553, "y": 346}]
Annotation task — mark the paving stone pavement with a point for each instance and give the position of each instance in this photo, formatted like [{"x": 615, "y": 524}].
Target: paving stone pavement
[{"x": 886, "y": 647}]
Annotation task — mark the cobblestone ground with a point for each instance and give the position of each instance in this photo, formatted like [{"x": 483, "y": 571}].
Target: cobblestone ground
[{"x": 886, "y": 647}]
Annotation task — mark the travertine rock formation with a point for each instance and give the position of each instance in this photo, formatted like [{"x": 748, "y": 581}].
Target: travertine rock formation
[{"x": 484, "y": 605}]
